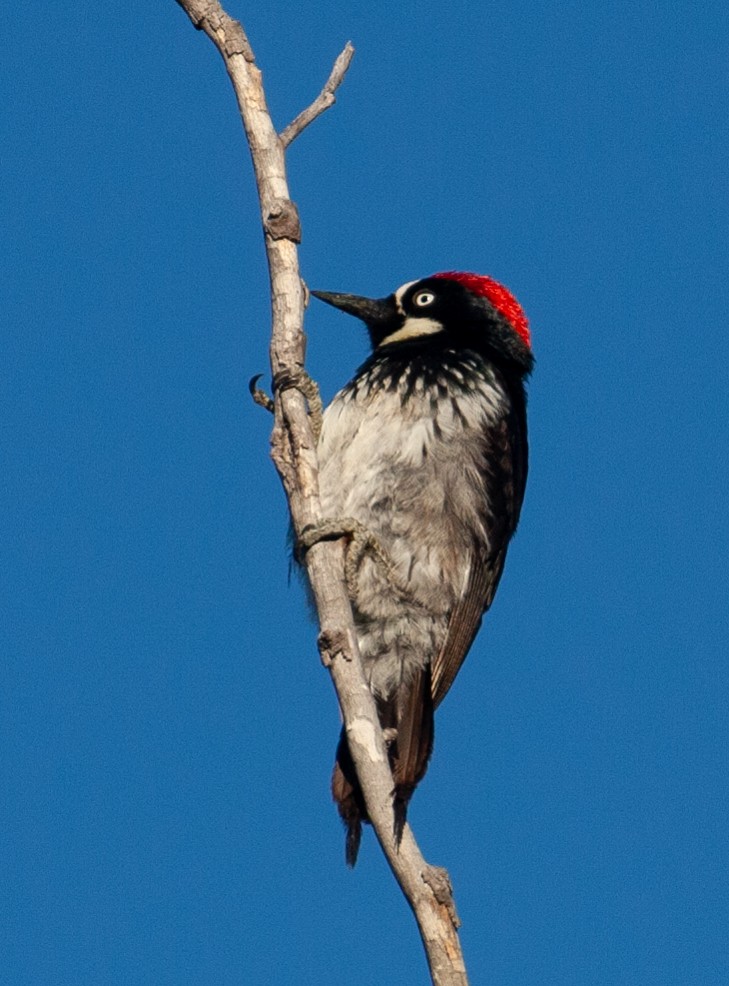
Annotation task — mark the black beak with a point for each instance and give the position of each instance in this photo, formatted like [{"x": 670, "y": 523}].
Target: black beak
[{"x": 374, "y": 311}]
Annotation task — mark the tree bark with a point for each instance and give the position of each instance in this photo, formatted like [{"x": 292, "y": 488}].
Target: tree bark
[{"x": 293, "y": 449}]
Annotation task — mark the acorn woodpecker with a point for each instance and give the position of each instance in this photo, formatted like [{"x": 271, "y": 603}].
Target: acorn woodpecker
[{"x": 425, "y": 449}]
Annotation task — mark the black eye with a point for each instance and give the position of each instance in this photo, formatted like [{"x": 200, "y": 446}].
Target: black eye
[{"x": 423, "y": 298}]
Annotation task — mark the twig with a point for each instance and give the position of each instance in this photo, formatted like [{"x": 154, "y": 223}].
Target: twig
[
  {"x": 324, "y": 100},
  {"x": 426, "y": 888}
]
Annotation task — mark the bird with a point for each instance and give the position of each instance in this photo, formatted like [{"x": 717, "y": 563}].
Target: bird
[{"x": 425, "y": 450}]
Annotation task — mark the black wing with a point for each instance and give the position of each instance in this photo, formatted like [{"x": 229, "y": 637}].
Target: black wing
[{"x": 505, "y": 459}]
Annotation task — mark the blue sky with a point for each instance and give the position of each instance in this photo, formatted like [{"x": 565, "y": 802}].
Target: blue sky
[{"x": 166, "y": 730}]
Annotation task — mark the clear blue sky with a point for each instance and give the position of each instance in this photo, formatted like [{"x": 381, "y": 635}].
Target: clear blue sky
[{"x": 166, "y": 731}]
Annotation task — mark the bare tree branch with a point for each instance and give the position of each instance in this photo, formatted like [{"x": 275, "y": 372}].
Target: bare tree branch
[
  {"x": 324, "y": 100},
  {"x": 426, "y": 888}
]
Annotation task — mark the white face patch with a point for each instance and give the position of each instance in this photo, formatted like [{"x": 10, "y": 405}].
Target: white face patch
[
  {"x": 412, "y": 329},
  {"x": 399, "y": 293}
]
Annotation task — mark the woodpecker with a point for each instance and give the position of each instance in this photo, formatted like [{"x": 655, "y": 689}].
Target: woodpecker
[{"x": 425, "y": 449}]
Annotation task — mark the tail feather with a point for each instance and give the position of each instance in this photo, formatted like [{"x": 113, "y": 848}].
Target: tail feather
[
  {"x": 410, "y": 752},
  {"x": 348, "y": 795},
  {"x": 410, "y": 713}
]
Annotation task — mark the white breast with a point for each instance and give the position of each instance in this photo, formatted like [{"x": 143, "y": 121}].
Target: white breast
[{"x": 412, "y": 474}]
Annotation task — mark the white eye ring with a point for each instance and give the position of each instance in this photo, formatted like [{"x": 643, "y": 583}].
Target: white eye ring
[{"x": 424, "y": 298}]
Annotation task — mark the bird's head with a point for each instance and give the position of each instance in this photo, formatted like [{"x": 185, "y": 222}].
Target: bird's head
[{"x": 452, "y": 309}]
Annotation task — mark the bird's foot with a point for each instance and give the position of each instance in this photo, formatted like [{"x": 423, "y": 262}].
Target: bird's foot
[
  {"x": 297, "y": 379},
  {"x": 259, "y": 395},
  {"x": 359, "y": 542}
]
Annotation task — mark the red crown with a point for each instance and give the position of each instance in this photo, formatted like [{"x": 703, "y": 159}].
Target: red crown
[{"x": 501, "y": 298}]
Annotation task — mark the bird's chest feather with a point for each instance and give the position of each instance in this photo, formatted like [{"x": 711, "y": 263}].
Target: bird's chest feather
[{"x": 407, "y": 459}]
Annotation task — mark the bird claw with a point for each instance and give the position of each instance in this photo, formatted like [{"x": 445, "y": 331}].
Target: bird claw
[
  {"x": 259, "y": 395},
  {"x": 360, "y": 541},
  {"x": 299, "y": 379},
  {"x": 291, "y": 380}
]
